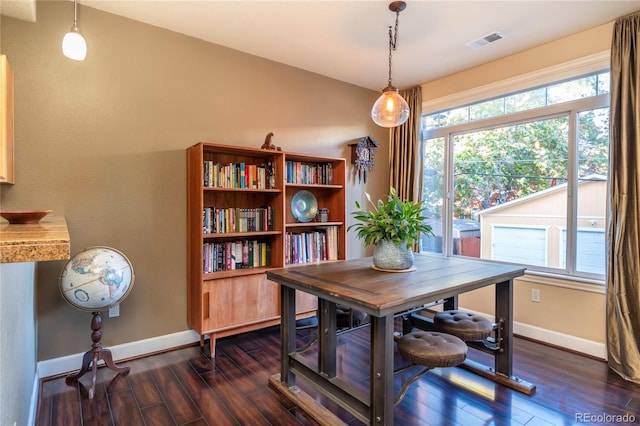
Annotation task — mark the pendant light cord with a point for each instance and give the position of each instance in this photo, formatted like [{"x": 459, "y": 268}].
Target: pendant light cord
[
  {"x": 75, "y": 14},
  {"x": 393, "y": 39}
]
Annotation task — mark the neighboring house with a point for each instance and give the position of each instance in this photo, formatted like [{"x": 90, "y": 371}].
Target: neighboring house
[{"x": 532, "y": 230}]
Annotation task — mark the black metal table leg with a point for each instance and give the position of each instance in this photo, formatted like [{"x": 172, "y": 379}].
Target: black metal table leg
[
  {"x": 327, "y": 338},
  {"x": 381, "y": 375},
  {"x": 504, "y": 312},
  {"x": 288, "y": 333}
]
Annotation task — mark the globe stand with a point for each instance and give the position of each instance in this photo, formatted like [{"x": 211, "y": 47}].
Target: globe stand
[{"x": 96, "y": 354}]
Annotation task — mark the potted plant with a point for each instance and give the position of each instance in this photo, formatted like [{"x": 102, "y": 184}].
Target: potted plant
[{"x": 392, "y": 226}]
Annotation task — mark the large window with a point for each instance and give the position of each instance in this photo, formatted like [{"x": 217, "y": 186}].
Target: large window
[{"x": 522, "y": 178}]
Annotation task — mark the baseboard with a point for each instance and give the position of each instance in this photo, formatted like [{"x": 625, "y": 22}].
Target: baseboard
[
  {"x": 66, "y": 364},
  {"x": 573, "y": 343}
]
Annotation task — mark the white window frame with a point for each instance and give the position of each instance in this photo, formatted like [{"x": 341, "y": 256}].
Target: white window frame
[
  {"x": 585, "y": 65},
  {"x": 582, "y": 66}
]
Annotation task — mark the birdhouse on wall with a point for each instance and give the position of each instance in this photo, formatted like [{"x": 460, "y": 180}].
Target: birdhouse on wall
[{"x": 362, "y": 156}]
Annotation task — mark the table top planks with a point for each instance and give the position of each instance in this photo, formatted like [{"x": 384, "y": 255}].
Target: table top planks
[{"x": 356, "y": 284}]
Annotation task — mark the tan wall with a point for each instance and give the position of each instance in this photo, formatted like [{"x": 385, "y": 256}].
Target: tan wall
[
  {"x": 102, "y": 142},
  {"x": 564, "y": 310}
]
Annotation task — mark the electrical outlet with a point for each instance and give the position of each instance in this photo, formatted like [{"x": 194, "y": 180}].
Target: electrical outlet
[
  {"x": 535, "y": 295},
  {"x": 114, "y": 312}
]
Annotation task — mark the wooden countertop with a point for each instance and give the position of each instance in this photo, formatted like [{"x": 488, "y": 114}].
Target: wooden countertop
[{"x": 48, "y": 240}]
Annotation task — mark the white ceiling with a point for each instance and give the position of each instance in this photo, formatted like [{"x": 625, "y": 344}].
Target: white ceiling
[
  {"x": 348, "y": 40},
  {"x": 20, "y": 9}
]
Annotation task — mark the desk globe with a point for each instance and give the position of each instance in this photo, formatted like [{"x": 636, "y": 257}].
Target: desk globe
[{"x": 94, "y": 280}]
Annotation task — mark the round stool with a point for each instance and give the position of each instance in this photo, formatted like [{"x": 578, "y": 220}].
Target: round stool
[
  {"x": 467, "y": 326},
  {"x": 428, "y": 349},
  {"x": 432, "y": 349}
]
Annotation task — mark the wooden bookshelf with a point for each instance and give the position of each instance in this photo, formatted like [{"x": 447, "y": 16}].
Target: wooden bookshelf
[{"x": 226, "y": 299}]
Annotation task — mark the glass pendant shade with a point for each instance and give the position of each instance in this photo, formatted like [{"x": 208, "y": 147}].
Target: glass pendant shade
[
  {"x": 73, "y": 45},
  {"x": 390, "y": 110}
]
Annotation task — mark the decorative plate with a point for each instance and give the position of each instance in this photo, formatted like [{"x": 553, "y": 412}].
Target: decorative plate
[
  {"x": 304, "y": 206},
  {"x": 24, "y": 217}
]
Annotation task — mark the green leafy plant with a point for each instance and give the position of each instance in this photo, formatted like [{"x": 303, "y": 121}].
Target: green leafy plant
[{"x": 395, "y": 220}]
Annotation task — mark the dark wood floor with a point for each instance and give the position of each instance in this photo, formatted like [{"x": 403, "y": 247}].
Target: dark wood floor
[{"x": 185, "y": 387}]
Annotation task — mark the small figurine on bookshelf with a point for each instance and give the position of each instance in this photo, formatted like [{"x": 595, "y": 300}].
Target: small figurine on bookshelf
[{"x": 267, "y": 143}]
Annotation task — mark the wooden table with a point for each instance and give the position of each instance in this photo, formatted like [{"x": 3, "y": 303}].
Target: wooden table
[{"x": 382, "y": 295}]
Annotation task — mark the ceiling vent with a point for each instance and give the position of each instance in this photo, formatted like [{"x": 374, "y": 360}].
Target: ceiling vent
[{"x": 484, "y": 40}]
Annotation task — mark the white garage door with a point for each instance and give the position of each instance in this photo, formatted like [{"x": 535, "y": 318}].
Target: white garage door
[
  {"x": 519, "y": 245},
  {"x": 590, "y": 253}
]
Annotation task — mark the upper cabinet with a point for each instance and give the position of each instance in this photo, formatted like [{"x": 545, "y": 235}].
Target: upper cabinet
[{"x": 7, "y": 174}]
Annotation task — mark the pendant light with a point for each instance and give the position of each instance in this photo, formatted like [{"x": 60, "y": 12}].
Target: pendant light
[
  {"x": 391, "y": 110},
  {"x": 73, "y": 44}
]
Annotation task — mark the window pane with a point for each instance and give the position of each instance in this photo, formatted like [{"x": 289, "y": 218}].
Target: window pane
[
  {"x": 604, "y": 83},
  {"x": 519, "y": 244},
  {"x": 526, "y": 100},
  {"x": 593, "y": 158},
  {"x": 487, "y": 109},
  {"x": 580, "y": 87},
  {"x": 572, "y": 90},
  {"x": 455, "y": 116},
  {"x": 430, "y": 122},
  {"x": 432, "y": 192},
  {"x": 514, "y": 178},
  {"x": 593, "y": 144},
  {"x": 590, "y": 251}
]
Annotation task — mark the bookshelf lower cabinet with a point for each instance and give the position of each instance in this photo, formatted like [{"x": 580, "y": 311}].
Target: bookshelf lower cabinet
[
  {"x": 237, "y": 301},
  {"x": 240, "y": 224},
  {"x": 305, "y": 303},
  {"x": 240, "y": 304},
  {"x": 235, "y": 305}
]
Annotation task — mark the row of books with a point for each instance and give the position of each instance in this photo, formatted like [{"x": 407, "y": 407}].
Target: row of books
[
  {"x": 235, "y": 219},
  {"x": 318, "y": 245},
  {"x": 309, "y": 173},
  {"x": 239, "y": 175},
  {"x": 235, "y": 255}
]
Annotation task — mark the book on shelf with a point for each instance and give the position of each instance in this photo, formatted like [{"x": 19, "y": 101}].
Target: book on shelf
[
  {"x": 313, "y": 246},
  {"x": 230, "y": 255},
  {"x": 236, "y": 219},
  {"x": 238, "y": 175},
  {"x": 309, "y": 173}
]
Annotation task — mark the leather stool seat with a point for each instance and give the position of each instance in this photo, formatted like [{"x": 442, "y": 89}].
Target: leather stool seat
[
  {"x": 432, "y": 349},
  {"x": 465, "y": 325}
]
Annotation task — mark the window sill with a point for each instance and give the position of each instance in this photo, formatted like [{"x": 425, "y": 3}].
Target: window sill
[{"x": 564, "y": 281}]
